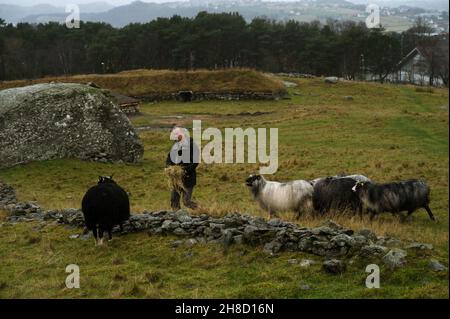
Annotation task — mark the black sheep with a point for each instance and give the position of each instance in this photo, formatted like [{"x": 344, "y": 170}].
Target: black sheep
[
  {"x": 396, "y": 197},
  {"x": 104, "y": 206},
  {"x": 334, "y": 194}
]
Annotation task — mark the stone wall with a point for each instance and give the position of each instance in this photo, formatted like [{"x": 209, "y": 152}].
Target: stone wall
[{"x": 335, "y": 243}]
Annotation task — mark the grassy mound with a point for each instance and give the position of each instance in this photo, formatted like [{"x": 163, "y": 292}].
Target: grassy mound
[{"x": 148, "y": 82}]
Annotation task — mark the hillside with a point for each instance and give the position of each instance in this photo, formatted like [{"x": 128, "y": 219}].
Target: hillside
[
  {"x": 147, "y": 82},
  {"x": 394, "y": 16},
  {"x": 386, "y": 132}
]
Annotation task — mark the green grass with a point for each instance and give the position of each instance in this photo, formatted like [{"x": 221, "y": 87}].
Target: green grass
[{"x": 386, "y": 132}]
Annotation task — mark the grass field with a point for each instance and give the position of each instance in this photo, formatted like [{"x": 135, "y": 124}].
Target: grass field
[{"x": 386, "y": 132}]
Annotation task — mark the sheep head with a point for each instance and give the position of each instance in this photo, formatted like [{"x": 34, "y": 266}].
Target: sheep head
[
  {"x": 253, "y": 180},
  {"x": 105, "y": 179},
  {"x": 359, "y": 186}
]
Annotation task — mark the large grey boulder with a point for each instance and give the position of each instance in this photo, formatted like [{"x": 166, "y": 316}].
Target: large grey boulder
[{"x": 63, "y": 120}]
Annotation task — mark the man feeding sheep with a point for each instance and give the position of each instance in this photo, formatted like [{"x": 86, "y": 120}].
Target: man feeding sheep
[{"x": 181, "y": 164}]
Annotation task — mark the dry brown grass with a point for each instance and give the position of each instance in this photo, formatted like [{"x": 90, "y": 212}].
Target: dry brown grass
[
  {"x": 174, "y": 176},
  {"x": 3, "y": 214},
  {"x": 424, "y": 89},
  {"x": 148, "y": 82}
]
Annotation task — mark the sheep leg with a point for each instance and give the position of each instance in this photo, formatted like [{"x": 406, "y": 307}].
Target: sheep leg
[
  {"x": 94, "y": 233},
  {"x": 109, "y": 234},
  {"x": 121, "y": 228},
  {"x": 272, "y": 214},
  {"x": 429, "y": 212},
  {"x": 403, "y": 218},
  {"x": 100, "y": 236},
  {"x": 359, "y": 211}
]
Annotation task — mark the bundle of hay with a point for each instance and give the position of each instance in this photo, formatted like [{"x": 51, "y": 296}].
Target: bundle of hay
[{"x": 175, "y": 175}]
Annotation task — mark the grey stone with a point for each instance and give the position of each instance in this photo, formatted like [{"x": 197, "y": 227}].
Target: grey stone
[
  {"x": 334, "y": 266},
  {"x": 290, "y": 84},
  {"x": 292, "y": 261},
  {"x": 305, "y": 287},
  {"x": 373, "y": 251},
  {"x": 436, "y": 265},
  {"x": 181, "y": 212},
  {"x": 227, "y": 238},
  {"x": 176, "y": 243},
  {"x": 272, "y": 248},
  {"x": 343, "y": 240},
  {"x": 191, "y": 242},
  {"x": 331, "y": 80},
  {"x": 276, "y": 222},
  {"x": 305, "y": 244},
  {"x": 323, "y": 230},
  {"x": 184, "y": 219},
  {"x": 86, "y": 236},
  {"x": 305, "y": 263},
  {"x": 63, "y": 120},
  {"x": 169, "y": 224},
  {"x": 180, "y": 231},
  {"x": 395, "y": 258},
  {"x": 359, "y": 240},
  {"x": 419, "y": 246},
  {"x": 368, "y": 234}
]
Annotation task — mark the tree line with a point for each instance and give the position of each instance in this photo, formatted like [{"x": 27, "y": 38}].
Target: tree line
[{"x": 208, "y": 41}]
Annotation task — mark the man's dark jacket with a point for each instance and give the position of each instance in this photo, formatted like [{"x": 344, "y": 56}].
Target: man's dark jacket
[{"x": 190, "y": 176}]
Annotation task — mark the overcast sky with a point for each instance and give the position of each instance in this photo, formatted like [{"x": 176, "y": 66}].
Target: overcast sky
[
  {"x": 64, "y": 2},
  {"x": 121, "y": 2}
]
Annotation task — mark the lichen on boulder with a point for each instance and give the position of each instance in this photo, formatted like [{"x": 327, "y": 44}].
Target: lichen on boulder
[{"x": 64, "y": 120}]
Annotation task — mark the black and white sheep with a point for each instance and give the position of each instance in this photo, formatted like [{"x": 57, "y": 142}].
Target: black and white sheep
[
  {"x": 104, "y": 206},
  {"x": 334, "y": 194},
  {"x": 356, "y": 177},
  {"x": 395, "y": 197},
  {"x": 276, "y": 197}
]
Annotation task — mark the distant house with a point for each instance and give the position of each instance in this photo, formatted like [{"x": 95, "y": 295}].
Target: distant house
[{"x": 424, "y": 66}]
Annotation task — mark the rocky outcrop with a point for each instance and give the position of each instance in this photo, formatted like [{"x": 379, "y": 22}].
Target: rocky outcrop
[{"x": 63, "y": 120}]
